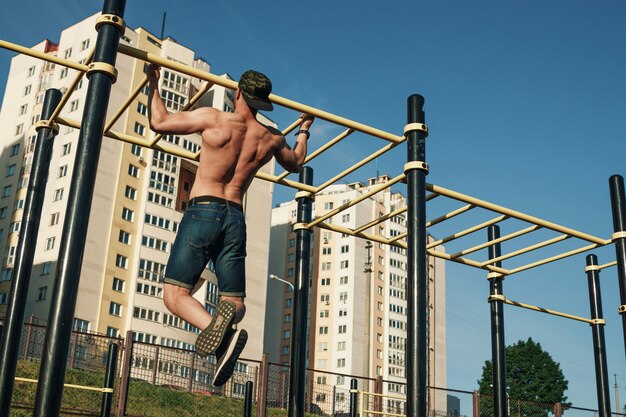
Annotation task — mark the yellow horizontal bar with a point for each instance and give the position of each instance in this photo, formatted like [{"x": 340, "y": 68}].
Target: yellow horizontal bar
[
  {"x": 608, "y": 265},
  {"x": 547, "y": 311},
  {"x": 450, "y": 215},
  {"x": 358, "y": 165},
  {"x": 376, "y": 394},
  {"x": 293, "y": 184},
  {"x": 374, "y": 190},
  {"x": 146, "y": 56},
  {"x": 380, "y": 219},
  {"x": 498, "y": 240},
  {"x": 42, "y": 55},
  {"x": 97, "y": 389},
  {"x": 516, "y": 214},
  {"x": 466, "y": 231},
  {"x": 71, "y": 88},
  {"x": 127, "y": 103},
  {"x": 529, "y": 248},
  {"x": 469, "y": 262},
  {"x": 350, "y": 232},
  {"x": 554, "y": 258}
]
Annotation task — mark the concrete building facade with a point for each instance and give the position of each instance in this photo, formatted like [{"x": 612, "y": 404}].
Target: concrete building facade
[
  {"x": 357, "y": 303},
  {"x": 138, "y": 200}
]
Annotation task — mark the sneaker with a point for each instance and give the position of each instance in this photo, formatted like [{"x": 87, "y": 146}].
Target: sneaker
[
  {"x": 228, "y": 354},
  {"x": 211, "y": 338}
]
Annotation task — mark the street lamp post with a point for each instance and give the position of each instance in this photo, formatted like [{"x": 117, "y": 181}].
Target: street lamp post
[{"x": 277, "y": 278}]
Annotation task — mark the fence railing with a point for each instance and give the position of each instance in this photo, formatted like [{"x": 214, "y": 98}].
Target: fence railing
[{"x": 151, "y": 377}]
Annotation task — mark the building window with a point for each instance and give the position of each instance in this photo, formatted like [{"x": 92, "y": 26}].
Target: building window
[
  {"x": 341, "y": 345},
  {"x": 341, "y": 363},
  {"x": 127, "y": 214},
  {"x": 27, "y": 89},
  {"x": 345, "y": 218},
  {"x": 6, "y": 190},
  {"x": 342, "y": 329},
  {"x": 3, "y": 212},
  {"x": 285, "y": 350},
  {"x": 130, "y": 192},
  {"x": 6, "y": 274},
  {"x": 46, "y": 268},
  {"x": 3, "y": 297},
  {"x": 58, "y": 194},
  {"x": 324, "y": 313},
  {"x": 115, "y": 309},
  {"x": 23, "y": 109},
  {"x": 50, "y": 243},
  {"x": 62, "y": 171},
  {"x": 121, "y": 261},
  {"x": 140, "y": 129},
  {"x": 142, "y": 109},
  {"x": 325, "y": 281},
  {"x": 67, "y": 53},
  {"x": 31, "y": 71},
  {"x": 11, "y": 170},
  {"x": 67, "y": 148},
  {"x": 62, "y": 75},
  {"x": 112, "y": 331},
  {"x": 288, "y": 302},
  {"x": 326, "y": 251},
  {"x": 345, "y": 249},
  {"x": 54, "y": 218},
  {"x": 292, "y": 243},
  {"x": 323, "y": 330},
  {"x": 133, "y": 171},
  {"x": 84, "y": 44},
  {"x": 41, "y": 293},
  {"x": 287, "y": 318},
  {"x": 19, "y": 128},
  {"x": 328, "y": 206},
  {"x": 343, "y": 280},
  {"x": 135, "y": 150},
  {"x": 81, "y": 325},
  {"x": 74, "y": 105},
  {"x": 344, "y": 264},
  {"x": 326, "y": 266},
  {"x": 118, "y": 284},
  {"x": 325, "y": 298},
  {"x": 124, "y": 237},
  {"x": 286, "y": 334},
  {"x": 343, "y": 296}
]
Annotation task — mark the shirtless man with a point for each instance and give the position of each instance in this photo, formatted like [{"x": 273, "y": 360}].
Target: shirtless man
[{"x": 234, "y": 147}]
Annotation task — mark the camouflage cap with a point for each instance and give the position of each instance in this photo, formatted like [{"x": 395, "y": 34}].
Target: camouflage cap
[{"x": 256, "y": 88}]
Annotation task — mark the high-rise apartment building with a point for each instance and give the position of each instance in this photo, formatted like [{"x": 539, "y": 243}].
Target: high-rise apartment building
[
  {"x": 138, "y": 200},
  {"x": 357, "y": 321}
]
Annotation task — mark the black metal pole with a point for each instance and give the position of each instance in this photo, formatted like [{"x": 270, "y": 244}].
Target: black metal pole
[
  {"x": 247, "y": 401},
  {"x": 417, "y": 268},
  {"x": 59, "y": 331},
  {"x": 618, "y": 204},
  {"x": 597, "y": 331},
  {"x": 354, "y": 398},
  {"x": 498, "y": 346},
  {"x": 25, "y": 252},
  {"x": 109, "y": 380},
  {"x": 297, "y": 376}
]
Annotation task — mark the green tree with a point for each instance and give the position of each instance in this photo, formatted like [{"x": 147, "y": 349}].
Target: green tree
[{"x": 531, "y": 374}]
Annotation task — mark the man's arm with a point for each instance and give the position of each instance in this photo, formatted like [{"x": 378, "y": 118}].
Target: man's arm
[
  {"x": 162, "y": 121},
  {"x": 293, "y": 159}
]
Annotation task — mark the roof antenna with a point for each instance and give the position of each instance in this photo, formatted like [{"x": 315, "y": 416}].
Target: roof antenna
[{"x": 163, "y": 25}]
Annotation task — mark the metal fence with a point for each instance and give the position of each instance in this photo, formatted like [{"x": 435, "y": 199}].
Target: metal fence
[{"x": 152, "y": 378}]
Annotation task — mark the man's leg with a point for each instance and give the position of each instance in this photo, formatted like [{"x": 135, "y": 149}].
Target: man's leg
[
  {"x": 179, "y": 301},
  {"x": 240, "y": 306}
]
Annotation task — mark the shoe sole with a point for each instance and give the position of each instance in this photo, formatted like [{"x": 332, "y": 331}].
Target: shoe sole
[
  {"x": 209, "y": 340},
  {"x": 225, "y": 369}
]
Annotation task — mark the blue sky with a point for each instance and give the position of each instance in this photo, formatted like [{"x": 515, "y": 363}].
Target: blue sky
[{"x": 525, "y": 106}]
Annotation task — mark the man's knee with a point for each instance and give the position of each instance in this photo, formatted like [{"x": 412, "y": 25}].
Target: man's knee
[
  {"x": 172, "y": 295},
  {"x": 240, "y": 307}
]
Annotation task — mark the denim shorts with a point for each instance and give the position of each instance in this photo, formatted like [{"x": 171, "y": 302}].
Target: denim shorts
[{"x": 210, "y": 231}]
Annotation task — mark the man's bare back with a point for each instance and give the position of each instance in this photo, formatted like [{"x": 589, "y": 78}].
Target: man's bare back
[{"x": 234, "y": 145}]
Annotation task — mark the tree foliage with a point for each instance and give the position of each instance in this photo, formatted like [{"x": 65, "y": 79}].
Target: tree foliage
[{"x": 531, "y": 374}]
